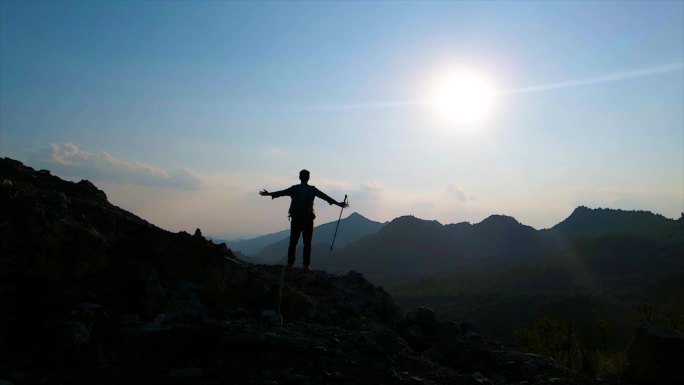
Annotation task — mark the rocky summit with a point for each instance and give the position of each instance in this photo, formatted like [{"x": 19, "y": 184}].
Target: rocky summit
[{"x": 92, "y": 294}]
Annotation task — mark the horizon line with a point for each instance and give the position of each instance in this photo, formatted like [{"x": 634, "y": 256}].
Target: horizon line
[{"x": 246, "y": 238}]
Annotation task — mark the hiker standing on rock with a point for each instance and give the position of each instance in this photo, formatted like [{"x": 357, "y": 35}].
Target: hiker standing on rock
[{"x": 301, "y": 215}]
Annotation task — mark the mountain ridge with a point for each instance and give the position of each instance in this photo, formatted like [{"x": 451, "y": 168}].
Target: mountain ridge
[
  {"x": 606, "y": 221},
  {"x": 583, "y": 221},
  {"x": 411, "y": 246}
]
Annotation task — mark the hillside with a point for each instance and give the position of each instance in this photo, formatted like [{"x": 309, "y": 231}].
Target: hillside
[{"x": 92, "y": 294}]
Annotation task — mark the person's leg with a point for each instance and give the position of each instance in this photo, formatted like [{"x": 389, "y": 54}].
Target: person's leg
[
  {"x": 295, "y": 230},
  {"x": 307, "y": 229}
]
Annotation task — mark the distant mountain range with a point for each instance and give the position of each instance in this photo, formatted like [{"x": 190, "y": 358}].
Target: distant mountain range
[
  {"x": 252, "y": 246},
  {"x": 410, "y": 247}
]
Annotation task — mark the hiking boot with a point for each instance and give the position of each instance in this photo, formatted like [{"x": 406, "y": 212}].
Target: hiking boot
[{"x": 306, "y": 268}]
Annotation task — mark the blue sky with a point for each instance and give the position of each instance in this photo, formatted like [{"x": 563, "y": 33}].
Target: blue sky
[{"x": 182, "y": 111}]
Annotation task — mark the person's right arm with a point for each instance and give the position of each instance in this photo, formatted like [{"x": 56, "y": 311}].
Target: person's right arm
[{"x": 277, "y": 194}]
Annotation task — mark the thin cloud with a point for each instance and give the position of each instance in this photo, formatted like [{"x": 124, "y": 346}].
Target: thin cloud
[
  {"x": 453, "y": 190},
  {"x": 70, "y": 161},
  {"x": 675, "y": 67},
  {"x": 370, "y": 191},
  {"x": 612, "y": 77},
  {"x": 358, "y": 191}
]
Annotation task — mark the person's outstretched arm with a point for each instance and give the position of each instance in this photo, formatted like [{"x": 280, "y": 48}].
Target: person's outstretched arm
[
  {"x": 328, "y": 199},
  {"x": 276, "y": 194}
]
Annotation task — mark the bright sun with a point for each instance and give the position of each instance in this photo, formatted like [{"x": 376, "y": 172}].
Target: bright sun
[{"x": 463, "y": 98}]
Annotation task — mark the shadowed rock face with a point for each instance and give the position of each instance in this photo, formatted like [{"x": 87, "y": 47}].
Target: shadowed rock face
[{"x": 92, "y": 294}]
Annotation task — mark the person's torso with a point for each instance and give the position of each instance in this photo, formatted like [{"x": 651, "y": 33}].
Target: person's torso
[{"x": 302, "y": 200}]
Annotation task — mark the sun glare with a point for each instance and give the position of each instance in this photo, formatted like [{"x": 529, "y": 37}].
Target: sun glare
[{"x": 463, "y": 98}]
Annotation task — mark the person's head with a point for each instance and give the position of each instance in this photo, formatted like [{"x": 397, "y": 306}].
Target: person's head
[{"x": 304, "y": 176}]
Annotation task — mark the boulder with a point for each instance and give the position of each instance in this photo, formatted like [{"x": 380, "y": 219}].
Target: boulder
[
  {"x": 183, "y": 301},
  {"x": 90, "y": 188},
  {"x": 415, "y": 338},
  {"x": 425, "y": 318},
  {"x": 271, "y": 318},
  {"x": 153, "y": 297},
  {"x": 64, "y": 340},
  {"x": 656, "y": 356}
]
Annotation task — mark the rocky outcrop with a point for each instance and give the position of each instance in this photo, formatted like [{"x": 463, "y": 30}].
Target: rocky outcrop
[
  {"x": 92, "y": 294},
  {"x": 656, "y": 356}
]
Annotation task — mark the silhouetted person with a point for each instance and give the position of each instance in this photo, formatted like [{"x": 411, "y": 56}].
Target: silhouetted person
[{"x": 301, "y": 215}]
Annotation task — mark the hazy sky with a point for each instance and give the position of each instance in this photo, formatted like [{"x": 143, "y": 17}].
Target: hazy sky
[{"x": 183, "y": 111}]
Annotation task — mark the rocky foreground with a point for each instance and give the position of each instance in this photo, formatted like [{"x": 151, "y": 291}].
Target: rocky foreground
[{"x": 92, "y": 294}]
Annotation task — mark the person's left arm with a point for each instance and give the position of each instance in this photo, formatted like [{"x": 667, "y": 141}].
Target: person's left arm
[{"x": 328, "y": 199}]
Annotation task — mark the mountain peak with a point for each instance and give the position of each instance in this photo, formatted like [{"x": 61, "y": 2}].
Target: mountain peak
[
  {"x": 500, "y": 219},
  {"x": 410, "y": 219},
  {"x": 606, "y": 221},
  {"x": 356, "y": 215},
  {"x": 584, "y": 211},
  {"x": 410, "y": 225}
]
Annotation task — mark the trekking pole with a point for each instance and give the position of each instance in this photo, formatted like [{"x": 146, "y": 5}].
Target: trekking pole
[{"x": 338, "y": 222}]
